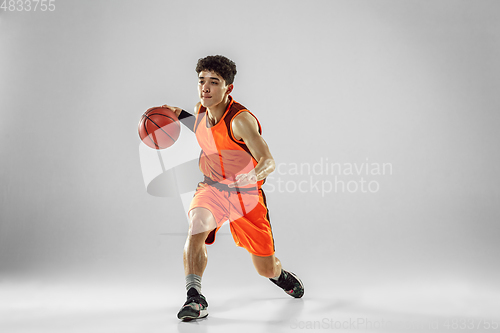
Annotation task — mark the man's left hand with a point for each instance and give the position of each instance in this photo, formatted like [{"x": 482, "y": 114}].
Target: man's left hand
[{"x": 244, "y": 179}]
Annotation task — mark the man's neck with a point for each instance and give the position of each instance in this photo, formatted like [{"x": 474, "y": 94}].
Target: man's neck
[{"x": 216, "y": 112}]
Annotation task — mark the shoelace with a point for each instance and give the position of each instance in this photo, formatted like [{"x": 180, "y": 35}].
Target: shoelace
[
  {"x": 196, "y": 299},
  {"x": 288, "y": 282}
]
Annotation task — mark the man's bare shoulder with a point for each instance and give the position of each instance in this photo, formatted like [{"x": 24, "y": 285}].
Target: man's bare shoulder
[
  {"x": 245, "y": 118},
  {"x": 244, "y": 124}
]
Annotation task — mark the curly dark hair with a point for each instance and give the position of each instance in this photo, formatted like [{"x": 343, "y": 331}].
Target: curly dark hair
[{"x": 218, "y": 64}]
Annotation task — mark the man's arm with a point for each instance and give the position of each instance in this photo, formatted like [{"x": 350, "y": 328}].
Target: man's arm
[
  {"x": 185, "y": 117},
  {"x": 246, "y": 128}
]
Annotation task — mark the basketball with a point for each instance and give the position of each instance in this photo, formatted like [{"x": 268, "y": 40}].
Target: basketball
[{"x": 159, "y": 128}]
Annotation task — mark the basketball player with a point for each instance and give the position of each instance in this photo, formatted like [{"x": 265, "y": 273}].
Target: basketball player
[{"x": 235, "y": 160}]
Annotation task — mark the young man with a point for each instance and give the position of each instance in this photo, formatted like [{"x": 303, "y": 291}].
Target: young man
[{"x": 235, "y": 160}]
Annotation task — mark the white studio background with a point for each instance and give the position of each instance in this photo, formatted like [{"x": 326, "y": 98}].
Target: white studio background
[{"x": 412, "y": 85}]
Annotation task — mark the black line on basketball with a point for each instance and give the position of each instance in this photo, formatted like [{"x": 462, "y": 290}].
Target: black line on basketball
[
  {"x": 150, "y": 113},
  {"x": 164, "y": 115},
  {"x": 150, "y": 136},
  {"x": 160, "y": 127}
]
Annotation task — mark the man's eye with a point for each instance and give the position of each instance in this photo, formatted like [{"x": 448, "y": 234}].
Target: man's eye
[{"x": 214, "y": 82}]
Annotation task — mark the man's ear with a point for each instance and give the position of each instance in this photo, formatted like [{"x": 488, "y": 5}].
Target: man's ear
[{"x": 229, "y": 89}]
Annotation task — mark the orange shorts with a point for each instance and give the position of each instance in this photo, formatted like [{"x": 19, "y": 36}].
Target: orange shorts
[{"x": 246, "y": 211}]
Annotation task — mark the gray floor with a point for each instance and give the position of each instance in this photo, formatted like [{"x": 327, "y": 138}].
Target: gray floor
[
  {"x": 138, "y": 308},
  {"x": 142, "y": 299}
]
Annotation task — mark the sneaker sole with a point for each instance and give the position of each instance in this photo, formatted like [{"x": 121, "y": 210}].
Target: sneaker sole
[{"x": 188, "y": 314}]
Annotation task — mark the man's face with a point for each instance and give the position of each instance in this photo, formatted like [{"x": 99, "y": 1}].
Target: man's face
[{"x": 212, "y": 88}]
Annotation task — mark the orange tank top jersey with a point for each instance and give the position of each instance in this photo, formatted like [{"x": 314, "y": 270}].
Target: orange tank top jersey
[{"x": 223, "y": 157}]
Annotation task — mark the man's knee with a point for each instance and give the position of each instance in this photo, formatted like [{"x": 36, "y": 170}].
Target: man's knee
[
  {"x": 201, "y": 222},
  {"x": 199, "y": 226}
]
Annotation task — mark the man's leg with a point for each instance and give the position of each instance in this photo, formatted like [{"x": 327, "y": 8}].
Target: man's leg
[
  {"x": 195, "y": 261},
  {"x": 270, "y": 267},
  {"x": 195, "y": 250},
  {"x": 267, "y": 266}
]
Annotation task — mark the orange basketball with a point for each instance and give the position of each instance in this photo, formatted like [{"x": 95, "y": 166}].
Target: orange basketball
[{"x": 159, "y": 128}]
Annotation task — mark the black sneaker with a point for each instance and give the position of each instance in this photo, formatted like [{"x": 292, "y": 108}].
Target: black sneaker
[
  {"x": 290, "y": 283},
  {"x": 195, "y": 307}
]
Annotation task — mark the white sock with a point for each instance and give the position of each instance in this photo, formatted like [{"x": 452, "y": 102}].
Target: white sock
[{"x": 193, "y": 281}]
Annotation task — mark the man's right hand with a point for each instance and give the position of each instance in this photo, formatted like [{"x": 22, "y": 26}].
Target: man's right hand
[{"x": 174, "y": 109}]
